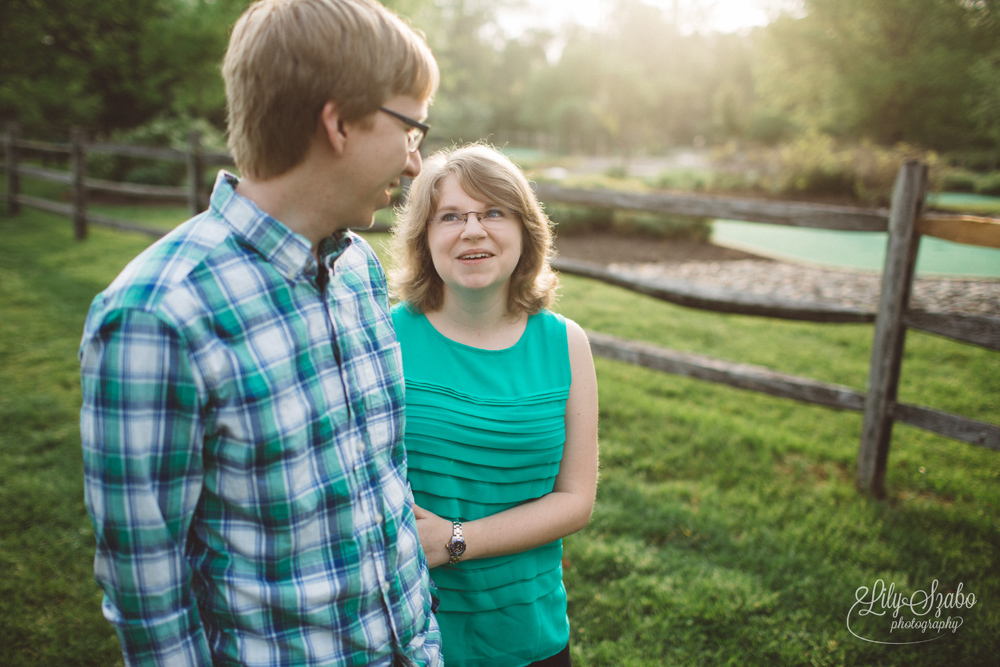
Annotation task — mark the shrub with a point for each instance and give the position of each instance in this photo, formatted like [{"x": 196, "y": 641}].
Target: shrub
[
  {"x": 770, "y": 128},
  {"x": 661, "y": 226},
  {"x": 956, "y": 179},
  {"x": 161, "y": 132},
  {"x": 684, "y": 180},
  {"x": 959, "y": 180},
  {"x": 571, "y": 219},
  {"x": 988, "y": 184},
  {"x": 575, "y": 219},
  {"x": 814, "y": 165},
  {"x": 975, "y": 160},
  {"x": 617, "y": 172}
]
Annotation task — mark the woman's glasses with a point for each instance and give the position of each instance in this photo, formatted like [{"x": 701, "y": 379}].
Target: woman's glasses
[{"x": 491, "y": 217}]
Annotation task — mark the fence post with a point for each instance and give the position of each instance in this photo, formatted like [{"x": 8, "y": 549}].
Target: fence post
[
  {"x": 10, "y": 137},
  {"x": 78, "y": 159},
  {"x": 887, "y": 346},
  {"x": 195, "y": 175}
]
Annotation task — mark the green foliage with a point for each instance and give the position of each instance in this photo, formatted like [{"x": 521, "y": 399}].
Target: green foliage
[
  {"x": 727, "y": 528},
  {"x": 770, "y": 127},
  {"x": 482, "y": 75},
  {"x": 163, "y": 132},
  {"x": 704, "y": 180},
  {"x": 617, "y": 172},
  {"x": 923, "y": 72},
  {"x": 889, "y": 71},
  {"x": 572, "y": 220},
  {"x": 112, "y": 64},
  {"x": 960, "y": 180},
  {"x": 984, "y": 99},
  {"x": 964, "y": 180},
  {"x": 974, "y": 160},
  {"x": 815, "y": 165},
  {"x": 989, "y": 184},
  {"x": 576, "y": 219}
]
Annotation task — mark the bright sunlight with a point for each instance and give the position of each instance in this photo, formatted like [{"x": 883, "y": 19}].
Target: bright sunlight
[{"x": 691, "y": 15}]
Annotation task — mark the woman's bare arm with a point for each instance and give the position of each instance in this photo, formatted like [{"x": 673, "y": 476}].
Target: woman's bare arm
[{"x": 565, "y": 510}]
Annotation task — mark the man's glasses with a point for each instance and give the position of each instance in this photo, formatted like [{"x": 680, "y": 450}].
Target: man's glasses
[{"x": 415, "y": 135}]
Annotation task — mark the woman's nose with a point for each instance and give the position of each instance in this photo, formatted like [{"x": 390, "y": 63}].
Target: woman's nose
[{"x": 473, "y": 227}]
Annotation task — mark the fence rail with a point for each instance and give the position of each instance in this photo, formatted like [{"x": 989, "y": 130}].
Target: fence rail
[
  {"x": 796, "y": 214},
  {"x": 77, "y": 149},
  {"x": 904, "y": 221}
]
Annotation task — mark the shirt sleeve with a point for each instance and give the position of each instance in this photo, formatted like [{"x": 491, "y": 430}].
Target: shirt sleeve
[{"x": 142, "y": 445}]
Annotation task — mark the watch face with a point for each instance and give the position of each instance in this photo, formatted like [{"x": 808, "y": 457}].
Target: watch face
[{"x": 457, "y": 547}]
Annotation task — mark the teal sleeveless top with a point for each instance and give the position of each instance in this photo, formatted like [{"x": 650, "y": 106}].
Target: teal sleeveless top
[{"x": 484, "y": 432}]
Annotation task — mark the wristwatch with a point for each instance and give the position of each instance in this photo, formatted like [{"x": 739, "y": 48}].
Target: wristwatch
[{"x": 455, "y": 547}]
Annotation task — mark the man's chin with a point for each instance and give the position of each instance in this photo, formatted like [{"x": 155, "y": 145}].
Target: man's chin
[{"x": 362, "y": 224}]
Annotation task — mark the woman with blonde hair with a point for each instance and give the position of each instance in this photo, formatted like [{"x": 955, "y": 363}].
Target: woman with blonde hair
[{"x": 501, "y": 408}]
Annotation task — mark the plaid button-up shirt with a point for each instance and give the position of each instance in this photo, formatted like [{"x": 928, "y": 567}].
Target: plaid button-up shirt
[{"x": 243, "y": 455}]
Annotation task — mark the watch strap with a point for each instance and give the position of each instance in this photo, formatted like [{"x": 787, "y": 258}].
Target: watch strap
[{"x": 456, "y": 547}]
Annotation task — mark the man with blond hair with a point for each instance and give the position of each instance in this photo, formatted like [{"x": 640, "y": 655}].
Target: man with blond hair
[{"x": 242, "y": 388}]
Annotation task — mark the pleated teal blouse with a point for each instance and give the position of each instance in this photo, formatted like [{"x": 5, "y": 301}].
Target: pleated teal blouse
[{"x": 484, "y": 432}]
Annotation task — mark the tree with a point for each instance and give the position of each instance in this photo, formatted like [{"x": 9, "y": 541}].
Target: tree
[
  {"x": 642, "y": 84},
  {"x": 984, "y": 101},
  {"x": 893, "y": 70},
  {"x": 111, "y": 64}
]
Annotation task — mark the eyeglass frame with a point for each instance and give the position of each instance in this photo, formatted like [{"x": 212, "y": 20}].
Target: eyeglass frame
[
  {"x": 423, "y": 127},
  {"x": 508, "y": 214}
]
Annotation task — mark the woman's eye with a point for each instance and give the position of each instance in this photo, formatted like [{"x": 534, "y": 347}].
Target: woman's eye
[
  {"x": 449, "y": 217},
  {"x": 495, "y": 213}
]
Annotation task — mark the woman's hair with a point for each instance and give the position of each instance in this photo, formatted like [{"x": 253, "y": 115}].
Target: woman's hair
[
  {"x": 489, "y": 176},
  {"x": 288, "y": 58}
]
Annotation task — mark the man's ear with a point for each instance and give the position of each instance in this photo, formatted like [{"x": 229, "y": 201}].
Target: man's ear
[{"x": 332, "y": 126}]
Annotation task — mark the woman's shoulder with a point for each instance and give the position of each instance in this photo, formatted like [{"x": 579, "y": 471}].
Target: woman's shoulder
[
  {"x": 558, "y": 324},
  {"x": 549, "y": 319}
]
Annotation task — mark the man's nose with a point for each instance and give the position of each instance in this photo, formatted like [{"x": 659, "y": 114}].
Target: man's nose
[{"x": 413, "y": 164}]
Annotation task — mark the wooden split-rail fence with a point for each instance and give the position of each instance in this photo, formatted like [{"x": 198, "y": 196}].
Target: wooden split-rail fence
[{"x": 905, "y": 221}]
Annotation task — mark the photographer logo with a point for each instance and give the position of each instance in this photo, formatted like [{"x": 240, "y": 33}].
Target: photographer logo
[{"x": 882, "y": 615}]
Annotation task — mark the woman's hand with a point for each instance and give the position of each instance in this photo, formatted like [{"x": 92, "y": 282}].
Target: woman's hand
[{"x": 434, "y": 533}]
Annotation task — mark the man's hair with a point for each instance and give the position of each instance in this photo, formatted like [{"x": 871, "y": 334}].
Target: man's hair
[
  {"x": 287, "y": 58},
  {"x": 489, "y": 176}
]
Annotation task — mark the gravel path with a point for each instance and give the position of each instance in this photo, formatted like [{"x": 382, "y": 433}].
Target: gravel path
[{"x": 819, "y": 285}]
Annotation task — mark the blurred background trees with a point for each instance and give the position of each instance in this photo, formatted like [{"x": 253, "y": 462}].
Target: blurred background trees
[
  {"x": 889, "y": 71},
  {"x": 111, "y": 64},
  {"x": 924, "y": 72}
]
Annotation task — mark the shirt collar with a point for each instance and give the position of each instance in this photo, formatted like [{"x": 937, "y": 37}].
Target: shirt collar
[{"x": 289, "y": 252}]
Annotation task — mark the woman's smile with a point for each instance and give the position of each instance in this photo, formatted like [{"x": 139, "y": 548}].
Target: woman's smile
[{"x": 474, "y": 245}]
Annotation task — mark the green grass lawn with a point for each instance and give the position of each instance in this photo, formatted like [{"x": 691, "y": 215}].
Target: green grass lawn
[{"x": 727, "y": 528}]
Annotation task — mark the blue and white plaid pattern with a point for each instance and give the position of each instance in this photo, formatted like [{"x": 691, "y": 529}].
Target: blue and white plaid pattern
[{"x": 243, "y": 455}]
